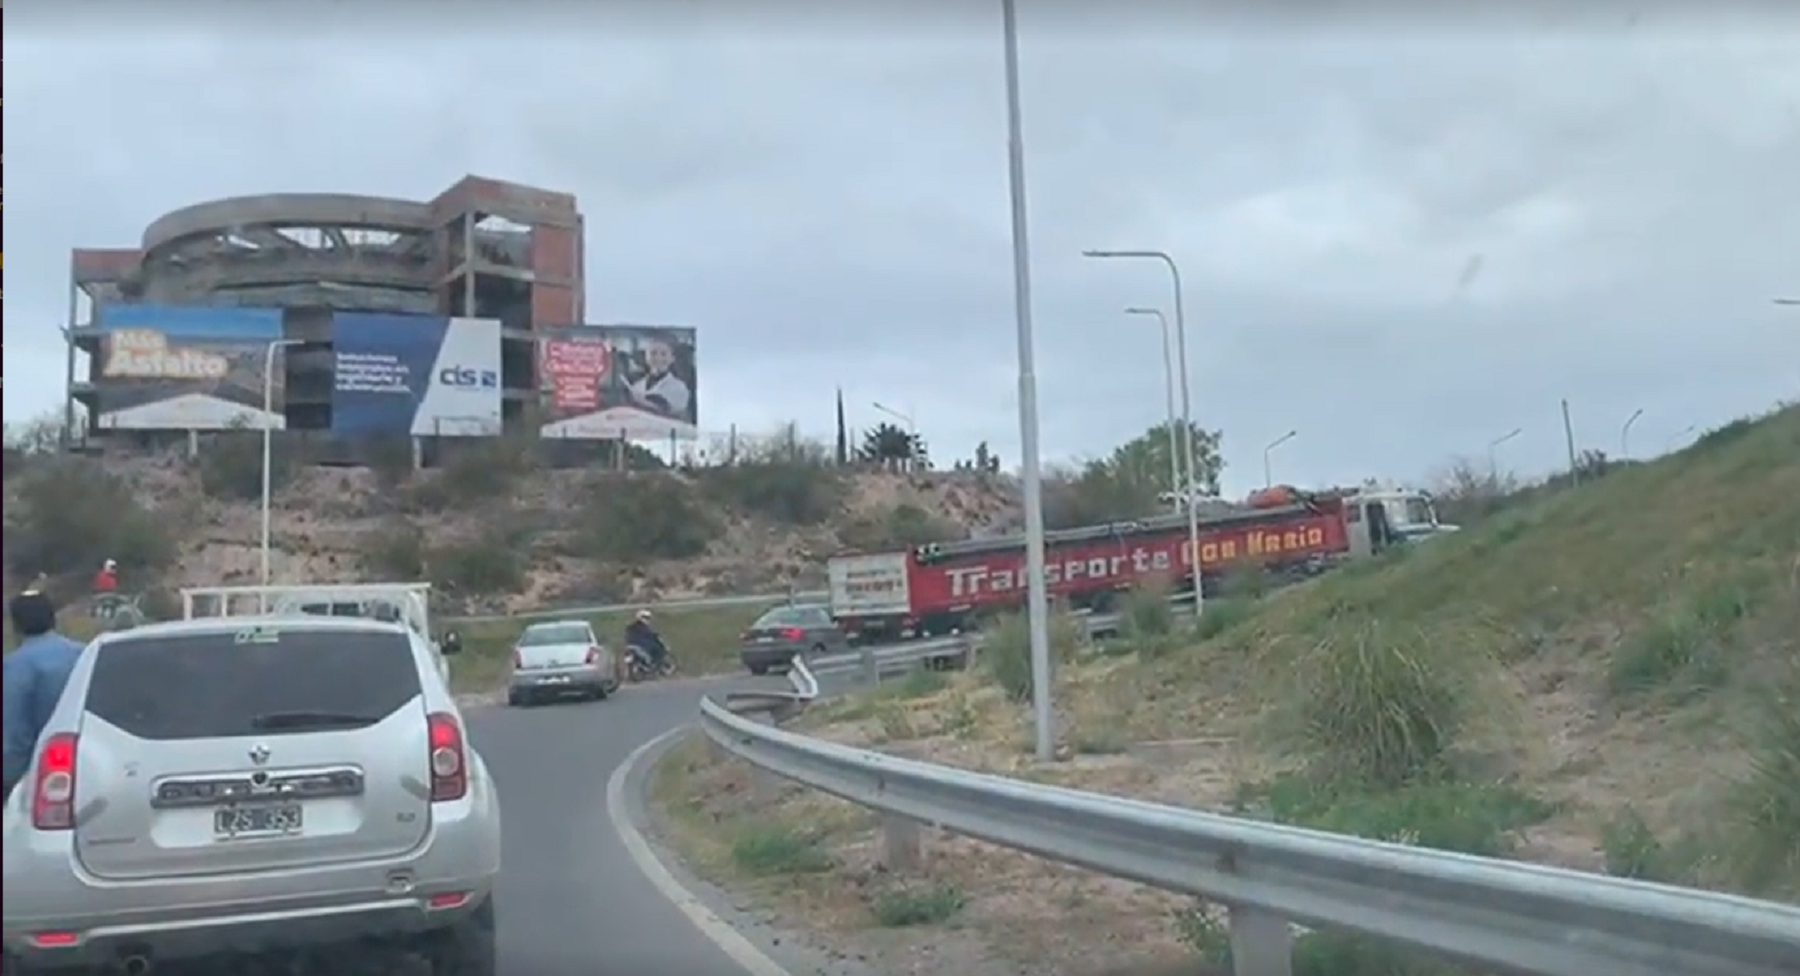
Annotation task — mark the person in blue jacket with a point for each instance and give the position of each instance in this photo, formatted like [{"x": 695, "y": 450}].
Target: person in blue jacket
[{"x": 35, "y": 676}]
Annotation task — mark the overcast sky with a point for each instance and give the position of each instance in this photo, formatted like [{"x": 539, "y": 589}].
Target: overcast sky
[{"x": 1402, "y": 239}]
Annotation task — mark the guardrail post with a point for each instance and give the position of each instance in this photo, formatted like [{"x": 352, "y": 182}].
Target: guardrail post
[
  {"x": 902, "y": 843},
  {"x": 871, "y": 667},
  {"x": 765, "y": 787},
  {"x": 1261, "y": 944}
]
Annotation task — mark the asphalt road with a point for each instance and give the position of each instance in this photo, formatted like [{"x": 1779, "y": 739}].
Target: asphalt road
[{"x": 572, "y": 902}]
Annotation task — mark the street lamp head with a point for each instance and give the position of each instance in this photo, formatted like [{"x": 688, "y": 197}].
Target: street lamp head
[{"x": 1140, "y": 310}]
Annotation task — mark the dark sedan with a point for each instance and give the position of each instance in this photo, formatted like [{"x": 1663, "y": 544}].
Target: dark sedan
[{"x": 784, "y": 632}]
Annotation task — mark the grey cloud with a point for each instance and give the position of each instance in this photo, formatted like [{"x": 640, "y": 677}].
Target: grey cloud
[{"x": 829, "y": 206}]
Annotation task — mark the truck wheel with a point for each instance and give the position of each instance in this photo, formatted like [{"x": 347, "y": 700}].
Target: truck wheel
[{"x": 468, "y": 947}]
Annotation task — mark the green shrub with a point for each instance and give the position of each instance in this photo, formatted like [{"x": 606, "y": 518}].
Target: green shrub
[
  {"x": 796, "y": 491},
  {"x": 1006, "y": 650},
  {"x": 230, "y": 463},
  {"x": 395, "y": 553},
  {"x": 777, "y": 849},
  {"x": 908, "y": 905},
  {"x": 478, "y": 471},
  {"x": 634, "y": 518},
  {"x": 69, "y": 514},
  {"x": 1765, "y": 804},
  {"x": 491, "y": 563},
  {"x": 900, "y": 526},
  {"x": 1148, "y": 614},
  {"x": 1377, "y": 704}
]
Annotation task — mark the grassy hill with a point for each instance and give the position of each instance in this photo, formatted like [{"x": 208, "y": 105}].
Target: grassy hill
[
  {"x": 1617, "y": 663},
  {"x": 1604, "y": 677}
]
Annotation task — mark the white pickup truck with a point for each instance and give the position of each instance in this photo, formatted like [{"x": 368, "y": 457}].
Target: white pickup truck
[{"x": 408, "y": 603}]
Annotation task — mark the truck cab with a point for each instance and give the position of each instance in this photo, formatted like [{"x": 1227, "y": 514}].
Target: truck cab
[{"x": 1380, "y": 516}]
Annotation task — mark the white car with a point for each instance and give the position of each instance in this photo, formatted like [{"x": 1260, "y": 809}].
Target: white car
[
  {"x": 559, "y": 659},
  {"x": 252, "y": 784}
]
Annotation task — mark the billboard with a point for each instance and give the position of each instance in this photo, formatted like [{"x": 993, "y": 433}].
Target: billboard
[
  {"x": 174, "y": 367},
  {"x": 423, "y": 375},
  {"x": 613, "y": 381}
]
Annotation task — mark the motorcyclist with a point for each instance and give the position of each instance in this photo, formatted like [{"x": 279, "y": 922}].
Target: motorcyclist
[
  {"x": 106, "y": 581},
  {"x": 641, "y": 634}
]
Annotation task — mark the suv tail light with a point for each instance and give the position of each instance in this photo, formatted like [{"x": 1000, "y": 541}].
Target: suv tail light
[
  {"x": 793, "y": 634},
  {"x": 53, "y": 792},
  {"x": 593, "y": 655},
  {"x": 449, "y": 759}
]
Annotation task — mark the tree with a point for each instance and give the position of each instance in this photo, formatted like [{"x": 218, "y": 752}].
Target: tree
[
  {"x": 891, "y": 447},
  {"x": 843, "y": 432},
  {"x": 1130, "y": 482}
]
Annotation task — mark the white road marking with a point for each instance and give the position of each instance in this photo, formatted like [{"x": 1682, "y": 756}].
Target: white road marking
[{"x": 618, "y": 810}]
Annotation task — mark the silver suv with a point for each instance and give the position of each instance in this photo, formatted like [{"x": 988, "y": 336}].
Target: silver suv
[{"x": 252, "y": 785}]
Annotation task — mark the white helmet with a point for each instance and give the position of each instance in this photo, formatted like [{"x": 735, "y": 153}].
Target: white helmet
[
  {"x": 644, "y": 614},
  {"x": 110, "y": 565}
]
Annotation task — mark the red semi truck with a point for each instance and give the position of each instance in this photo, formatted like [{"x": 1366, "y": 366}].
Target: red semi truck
[{"x": 937, "y": 588}]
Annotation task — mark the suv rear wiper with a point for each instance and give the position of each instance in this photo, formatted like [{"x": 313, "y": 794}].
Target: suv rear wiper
[{"x": 271, "y": 721}]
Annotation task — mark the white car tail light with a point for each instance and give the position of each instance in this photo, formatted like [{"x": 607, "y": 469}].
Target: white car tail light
[
  {"x": 53, "y": 791},
  {"x": 449, "y": 759}
]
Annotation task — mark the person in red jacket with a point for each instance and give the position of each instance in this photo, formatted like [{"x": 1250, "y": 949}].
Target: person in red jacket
[{"x": 106, "y": 581}]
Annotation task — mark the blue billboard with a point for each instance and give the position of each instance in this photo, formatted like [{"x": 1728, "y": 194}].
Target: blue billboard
[
  {"x": 418, "y": 375},
  {"x": 180, "y": 367}
]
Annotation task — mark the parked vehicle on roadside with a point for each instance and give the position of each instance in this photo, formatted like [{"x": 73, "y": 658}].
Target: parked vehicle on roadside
[
  {"x": 773, "y": 641},
  {"x": 561, "y": 659},
  {"x": 275, "y": 783}
]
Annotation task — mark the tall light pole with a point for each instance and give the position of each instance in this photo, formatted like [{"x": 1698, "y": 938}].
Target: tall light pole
[
  {"x": 1037, "y": 598},
  {"x": 1187, "y": 411},
  {"x": 1494, "y": 454},
  {"x": 268, "y": 456},
  {"x": 1625, "y": 434},
  {"x": 1175, "y": 480},
  {"x": 1268, "y": 465}
]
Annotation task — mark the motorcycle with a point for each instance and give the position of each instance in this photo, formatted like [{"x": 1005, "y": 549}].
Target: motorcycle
[
  {"x": 116, "y": 611},
  {"x": 641, "y": 666}
]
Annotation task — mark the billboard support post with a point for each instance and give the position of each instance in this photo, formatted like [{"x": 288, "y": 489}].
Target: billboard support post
[{"x": 268, "y": 457}]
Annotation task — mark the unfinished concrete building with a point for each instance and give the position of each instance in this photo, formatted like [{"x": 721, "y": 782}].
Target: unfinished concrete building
[{"x": 482, "y": 249}]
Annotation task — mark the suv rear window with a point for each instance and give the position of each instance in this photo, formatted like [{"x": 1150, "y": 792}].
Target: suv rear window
[{"x": 206, "y": 686}]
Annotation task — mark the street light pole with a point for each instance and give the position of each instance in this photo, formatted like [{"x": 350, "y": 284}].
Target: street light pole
[
  {"x": 1625, "y": 434},
  {"x": 1037, "y": 597},
  {"x": 268, "y": 457},
  {"x": 1187, "y": 412},
  {"x": 1494, "y": 454},
  {"x": 1268, "y": 465},
  {"x": 1175, "y": 486},
  {"x": 912, "y": 429},
  {"x": 912, "y": 433}
]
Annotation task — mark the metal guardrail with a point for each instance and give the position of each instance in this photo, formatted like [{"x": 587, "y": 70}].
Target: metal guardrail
[
  {"x": 1511, "y": 917},
  {"x": 697, "y": 603},
  {"x": 874, "y": 662}
]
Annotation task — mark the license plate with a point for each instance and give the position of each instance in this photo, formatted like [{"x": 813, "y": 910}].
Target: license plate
[
  {"x": 555, "y": 679},
  {"x": 282, "y": 818},
  {"x": 765, "y": 639}
]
